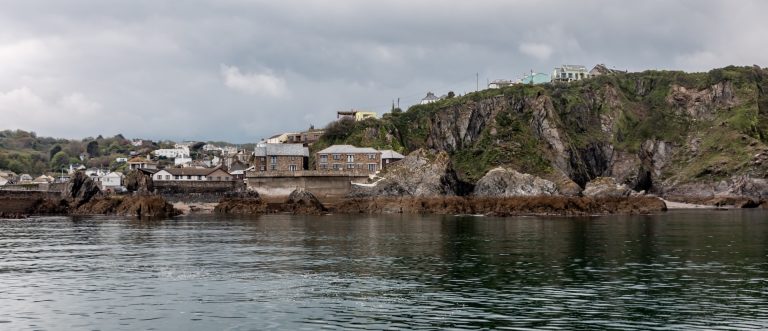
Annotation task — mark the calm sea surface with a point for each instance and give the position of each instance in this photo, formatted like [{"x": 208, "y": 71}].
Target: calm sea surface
[{"x": 679, "y": 270}]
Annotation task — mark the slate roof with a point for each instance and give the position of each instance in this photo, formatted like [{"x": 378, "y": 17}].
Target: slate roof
[
  {"x": 191, "y": 171},
  {"x": 281, "y": 150},
  {"x": 390, "y": 154},
  {"x": 347, "y": 149}
]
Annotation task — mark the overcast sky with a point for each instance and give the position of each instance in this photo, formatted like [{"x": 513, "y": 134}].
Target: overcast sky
[{"x": 241, "y": 70}]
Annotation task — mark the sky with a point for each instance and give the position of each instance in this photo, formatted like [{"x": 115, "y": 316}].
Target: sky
[{"x": 240, "y": 71}]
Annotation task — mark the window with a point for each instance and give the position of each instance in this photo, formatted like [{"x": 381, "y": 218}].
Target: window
[
  {"x": 167, "y": 177},
  {"x": 570, "y": 75},
  {"x": 263, "y": 159},
  {"x": 273, "y": 159},
  {"x": 292, "y": 167},
  {"x": 159, "y": 177},
  {"x": 350, "y": 166},
  {"x": 189, "y": 177},
  {"x": 371, "y": 156},
  {"x": 324, "y": 166},
  {"x": 263, "y": 168},
  {"x": 337, "y": 156},
  {"x": 336, "y": 166},
  {"x": 176, "y": 177},
  {"x": 371, "y": 167},
  {"x": 350, "y": 158},
  {"x": 323, "y": 157},
  {"x": 273, "y": 167},
  {"x": 218, "y": 177}
]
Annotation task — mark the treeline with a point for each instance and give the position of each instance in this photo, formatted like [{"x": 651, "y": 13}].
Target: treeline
[{"x": 25, "y": 152}]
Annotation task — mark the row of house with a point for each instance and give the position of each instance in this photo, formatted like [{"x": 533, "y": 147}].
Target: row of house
[
  {"x": 295, "y": 157},
  {"x": 565, "y": 73}
]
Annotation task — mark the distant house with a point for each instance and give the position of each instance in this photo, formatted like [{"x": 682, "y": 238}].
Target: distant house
[
  {"x": 112, "y": 180},
  {"x": 535, "y": 78},
  {"x": 280, "y": 157},
  {"x": 141, "y": 163},
  {"x": 348, "y": 158},
  {"x": 569, "y": 73},
  {"x": 8, "y": 174},
  {"x": 278, "y": 138},
  {"x": 180, "y": 160},
  {"x": 121, "y": 159},
  {"x": 172, "y": 153},
  {"x": 137, "y": 142},
  {"x": 25, "y": 179},
  {"x": 43, "y": 179},
  {"x": 357, "y": 115},
  {"x": 388, "y": 156},
  {"x": 75, "y": 168},
  {"x": 499, "y": 83},
  {"x": 602, "y": 69},
  {"x": 430, "y": 98},
  {"x": 192, "y": 174}
]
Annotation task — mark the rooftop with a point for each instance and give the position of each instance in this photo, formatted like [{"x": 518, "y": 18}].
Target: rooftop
[
  {"x": 347, "y": 149},
  {"x": 281, "y": 150},
  {"x": 390, "y": 154}
]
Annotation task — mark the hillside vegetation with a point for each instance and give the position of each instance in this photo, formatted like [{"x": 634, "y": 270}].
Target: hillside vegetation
[{"x": 653, "y": 130}]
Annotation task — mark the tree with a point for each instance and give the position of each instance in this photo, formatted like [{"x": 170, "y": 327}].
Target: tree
[
  {"x": 53, "y": 151},
  {"x": 92, "y": 148},
  {"x": 339, "y": 130},
  {"x": 450, "y": 95},
  {"x": 59, "y": 160}
]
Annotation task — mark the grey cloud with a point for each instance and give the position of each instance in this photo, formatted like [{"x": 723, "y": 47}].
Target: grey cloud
[{"x": 153, "y": 69}]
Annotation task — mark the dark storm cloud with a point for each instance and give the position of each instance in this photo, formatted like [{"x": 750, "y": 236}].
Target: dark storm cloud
[{"x": 242, "y": 70}]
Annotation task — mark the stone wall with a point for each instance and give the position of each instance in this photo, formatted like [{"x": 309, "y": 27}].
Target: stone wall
[
  {"x": 323, "y": 184},
  {"x": 197, "y": 191}
]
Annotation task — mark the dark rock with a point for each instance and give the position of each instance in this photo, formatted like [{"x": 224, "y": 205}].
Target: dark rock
[
  {"x": 139, "y": 182},
  {"x": 80, "y": 189},
  {"x": 303, "y": 202},
  {"x": 245, "y": 203}
]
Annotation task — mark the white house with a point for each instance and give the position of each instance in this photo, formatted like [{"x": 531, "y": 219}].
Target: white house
[
  {"x": 569, "y": 73},
  {"x": 192, "y": 174},
  {"x": 500, "y": 83},
  {"x": 430, "y": 98},
  {"x": 141, "y": 163},
  {"x": 172, "y": 153},
  {"x": 121, "y": 159},
  {"x": 25, "y": 178},
  {"x": 112, "y": 180},
  {"x": 180, "y": 160}
]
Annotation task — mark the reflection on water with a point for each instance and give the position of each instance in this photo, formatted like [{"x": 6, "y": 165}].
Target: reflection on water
[{"x": 680, "y": 270}]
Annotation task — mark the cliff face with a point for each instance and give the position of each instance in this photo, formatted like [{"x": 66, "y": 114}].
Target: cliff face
[{"x": 668, "y": 133}]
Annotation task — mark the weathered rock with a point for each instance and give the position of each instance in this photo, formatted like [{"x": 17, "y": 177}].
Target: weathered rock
[
  {"x": 139, "y": 206},
  {"x": 420, "y": 173},
  {"x": 80, "y": 189},
  {"x": 247, "y": 203},
  {"x": 606, "y": 187},
  {"x": 303, "y": 202},
  {"x": 139, "y": 182},
  {"x": 501, "y": 182}
]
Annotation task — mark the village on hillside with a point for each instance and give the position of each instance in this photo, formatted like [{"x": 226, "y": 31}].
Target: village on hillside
[{"x": 273, "y": 165}]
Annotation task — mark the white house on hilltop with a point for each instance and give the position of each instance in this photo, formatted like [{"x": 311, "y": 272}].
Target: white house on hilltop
[{"x": 569, "y": 73}]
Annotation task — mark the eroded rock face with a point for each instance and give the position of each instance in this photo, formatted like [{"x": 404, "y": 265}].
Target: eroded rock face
[
  {"x": 248, "y": 203},
  {"x": 702, "y": 104},
  {"x": 421, "y": 173},
  {"x": 139, "y": 182},
  {"x": 501, "y": 182},
  {"x": 604, "y": 187},
  {"x": 139, "y": 206},
  {"x": 303, "y": 202},
  {"x": 80, "y": 189}
]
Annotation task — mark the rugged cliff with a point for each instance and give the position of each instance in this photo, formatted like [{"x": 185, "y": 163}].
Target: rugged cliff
[{"x": 665, "y": 132}]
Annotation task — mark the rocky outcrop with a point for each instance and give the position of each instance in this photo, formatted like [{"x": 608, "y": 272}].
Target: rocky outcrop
[
  {"x": 604, "y": 187},
  {"x": 702, "y": 104},
  {"x": 501, "y": 182},
  {"x": 303, "y": 202},
  {"x": 542, "y": 205},
  {"x": 80, "y": 189},
  {"x": 138, "y": 206},
  {"x": 139, "y": 182},
  {"x": 421, "y": 173},
  {"x": 248, "y": 203}
]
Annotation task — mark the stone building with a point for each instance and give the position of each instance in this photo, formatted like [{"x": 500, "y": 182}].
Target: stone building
[
  {"x": 348, "y": 158},
  {"x": 280, "y": 157}
]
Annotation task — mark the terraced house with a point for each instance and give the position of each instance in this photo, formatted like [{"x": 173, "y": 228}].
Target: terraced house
[
  {"x": 280, "y": 157},
  {"x": 348, "y": 158},
  {"x": 192, "y": 174}
]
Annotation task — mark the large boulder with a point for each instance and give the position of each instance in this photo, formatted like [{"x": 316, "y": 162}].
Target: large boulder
[
  {"x": 604, "y": 187},
  {"x": 501, "y": 182},
  {"x": 139, "y": 182},
  {"x": 80, "y": 189},
  {"x": 421, "y": 174},
  {"x": 248, "y": 203},
  {"x": 301, "y": 201}
]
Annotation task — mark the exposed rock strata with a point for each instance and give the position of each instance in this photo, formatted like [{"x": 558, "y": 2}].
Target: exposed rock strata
[{"x": 501, "y": 182}]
